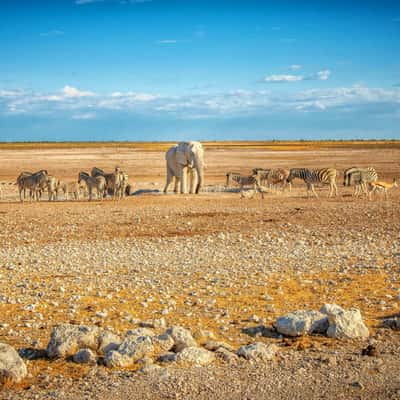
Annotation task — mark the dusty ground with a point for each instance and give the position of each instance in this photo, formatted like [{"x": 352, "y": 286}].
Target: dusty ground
[{"x": 211, "y": 262}]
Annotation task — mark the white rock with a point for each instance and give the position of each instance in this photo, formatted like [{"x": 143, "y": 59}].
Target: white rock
[
  {"x": 12, "y": 367},
  {"x": 164, "y": 342},
  {"x": 302, "y": 322},
  {"x": 347, "y": 324},
  {"x": 182, "y": 338},
  {"x": 130, "y": 350},
  {"x": 67, "y": 339},
  {"x": 226, "y": 355},
  {"x": 195, "y": 355},
  {"x": 258, "y": 351},
  {"x": 108, "y": 341},
  {"x": 85, "y": 356},
  {"x": 154, "y": 323},
  {"x": 331, "y": 309},
  {"x": 137, "y": 332},
  {"x": 115, "y": 359}
]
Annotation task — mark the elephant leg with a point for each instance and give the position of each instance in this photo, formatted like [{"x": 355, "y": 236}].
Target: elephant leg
[
  {"x": 183, "y": 176},
  {"x": 169, "y": 180},
  {"x": 176, "y": 184},
  {"x": 193, "y": 180}
]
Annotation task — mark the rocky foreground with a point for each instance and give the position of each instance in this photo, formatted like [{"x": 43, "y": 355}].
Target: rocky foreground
[{"x": 208, "y": 297}]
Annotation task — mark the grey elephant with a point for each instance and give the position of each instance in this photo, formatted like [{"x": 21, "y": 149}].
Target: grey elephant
[{"x": 185, "y": 161}]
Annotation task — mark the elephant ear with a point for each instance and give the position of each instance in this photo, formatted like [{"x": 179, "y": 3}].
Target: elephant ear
[{"x": 181, "y": 157}]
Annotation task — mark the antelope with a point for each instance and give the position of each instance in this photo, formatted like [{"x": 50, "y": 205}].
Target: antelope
[{"x": 383, "y": 187}]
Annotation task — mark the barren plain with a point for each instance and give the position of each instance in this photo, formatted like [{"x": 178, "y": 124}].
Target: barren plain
[{"x": 211, "y": 262}]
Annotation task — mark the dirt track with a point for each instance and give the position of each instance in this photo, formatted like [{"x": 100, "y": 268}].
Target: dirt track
[{"x": 212, "y": 261}]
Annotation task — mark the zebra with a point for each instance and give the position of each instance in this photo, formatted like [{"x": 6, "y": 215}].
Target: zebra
[
  {"x": 312, "y": 176},
  {"x": 250, "y": 180},
  {"x": 62, "y": 187},
  {"x": 360, "y": 177},
  {"x": 122, "y": 182},
  {"x": 31, "y": 181},
  {"x": 273, "y": 176},
  {"x": 262, "y": 173},
  {"x": 67, "y": 188},
  {"x": 98, "y": 183},
  {"x": 52, "y": 187},
  {"x": 112, "y": 180}
]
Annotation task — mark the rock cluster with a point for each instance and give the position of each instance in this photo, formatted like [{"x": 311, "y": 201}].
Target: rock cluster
[
  {"x": 331, "y": 320},
  {"x": 89, "y": 344}
]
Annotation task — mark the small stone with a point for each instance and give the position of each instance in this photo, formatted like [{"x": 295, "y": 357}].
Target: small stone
[
  {"x": 195, "y": 355},
  {"x": 182, "y": 338},
  {"x": 130, "y": 350},
  {"x": 302, "y": 322},
  {"x": 67, "y": 339},
  {"x": 108, "y": 341},
  {"x": 347, "y": 324},
  {"x": 258, "y": 351},
  {"x": 85, "y": 356}
]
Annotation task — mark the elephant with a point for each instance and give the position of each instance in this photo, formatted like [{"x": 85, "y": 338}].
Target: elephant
[{"x": 185, "y": 160}]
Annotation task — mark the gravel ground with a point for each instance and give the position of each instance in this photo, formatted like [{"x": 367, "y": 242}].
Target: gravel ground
[{"x": 210, "y": 262}]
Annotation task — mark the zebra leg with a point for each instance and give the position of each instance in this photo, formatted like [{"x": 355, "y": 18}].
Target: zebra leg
[
  {"x": 258, "y": 188},
  {"x": 330, "y": 189},
  {"x": 241, "y": 191},
  {"x": 311, "y": 187},
  {"x": 336, "y": 189}
]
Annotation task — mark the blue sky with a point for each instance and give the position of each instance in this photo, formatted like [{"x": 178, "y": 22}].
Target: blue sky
[{"x": 172, "y": 70}]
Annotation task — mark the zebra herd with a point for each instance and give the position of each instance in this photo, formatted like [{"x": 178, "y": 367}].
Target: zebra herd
[
  {"x": 114, "y": 183},
  {"x": 365, "y": 180}
]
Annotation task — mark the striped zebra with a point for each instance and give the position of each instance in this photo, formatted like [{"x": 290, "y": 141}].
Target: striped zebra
[
  {"x": 360, "y": 178},
  {"x": 312, "y": 176},
  {"x": 242, "y": 181},
  {"x": 52, "y": 185},
  {"x": 98, "y": 183},
  {"x": 262, "y": 173},
  {"x": 112, "y": 180},
  {"x": 121, "y": 182},
  {"x": 32, "y": 182},
  {"x": 273, "y": 177}
]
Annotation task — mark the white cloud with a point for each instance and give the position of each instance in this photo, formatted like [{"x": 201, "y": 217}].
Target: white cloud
[
  {"x": 283, "y": 78},
  {"x": 81, "y": 105},
  {"x": 10, "y": 93},
  {"x": 295, "y": 67},
  {"x": 88, "y": 115},
  {"x": 167, "y": 41},
  {"x": 324, "y": 75},
  {"x": 70, "y": 91}
]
